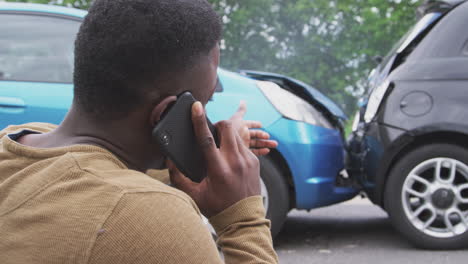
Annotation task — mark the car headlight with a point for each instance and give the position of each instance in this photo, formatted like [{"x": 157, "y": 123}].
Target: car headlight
[
  {"x": 374, "y": 101},
  {"x": 292, "y": 106}
]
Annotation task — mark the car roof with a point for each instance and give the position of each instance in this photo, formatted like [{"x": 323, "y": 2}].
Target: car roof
[
  {"x": 40, "y": 8},
  {"x": 440, "y": 6},
  {"x": 454, "y": 2}
]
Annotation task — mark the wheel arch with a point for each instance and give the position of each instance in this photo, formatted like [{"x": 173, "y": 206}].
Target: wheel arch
[
  {"x": 411, "y": 140},
  {"x": 283, "y": 165}
]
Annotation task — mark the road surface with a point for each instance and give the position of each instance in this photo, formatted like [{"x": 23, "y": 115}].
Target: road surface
[{"x": 352, "y": 232}]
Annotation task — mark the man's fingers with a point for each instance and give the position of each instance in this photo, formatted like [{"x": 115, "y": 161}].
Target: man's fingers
[
  {"x": 240, "y": 111},
  {"x": 261, "y": 143},
  {"x": 253, "y": 124},
  {"x": 259, "y": 134},
  {"x": 227, "y": 136},
  {"x": 240, "y": 144},
  {"x": 261, "y": 139},
  {"x": 261, "y": 152},
  {"x": 202, "y": 132}
]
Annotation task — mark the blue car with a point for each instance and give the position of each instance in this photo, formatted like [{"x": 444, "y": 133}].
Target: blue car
[{"x": 304, "y": 172}]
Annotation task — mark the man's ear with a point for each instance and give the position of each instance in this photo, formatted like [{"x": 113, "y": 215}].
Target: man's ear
[{"x": 160, "y": 108}]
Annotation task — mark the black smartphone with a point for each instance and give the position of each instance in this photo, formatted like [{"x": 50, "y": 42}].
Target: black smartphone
[{"x": 175, "y": 135}]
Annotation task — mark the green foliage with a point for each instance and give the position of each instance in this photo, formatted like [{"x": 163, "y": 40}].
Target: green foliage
[{"x": 326, "y": 43}]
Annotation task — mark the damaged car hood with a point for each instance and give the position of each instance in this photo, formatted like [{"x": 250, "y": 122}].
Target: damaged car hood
[{"x": 302, "y": 90}]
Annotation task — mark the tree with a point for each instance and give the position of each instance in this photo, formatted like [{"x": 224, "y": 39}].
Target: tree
[{"x": 329, "y": 44}]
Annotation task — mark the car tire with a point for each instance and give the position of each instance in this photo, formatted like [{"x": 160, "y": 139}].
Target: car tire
[
  {"x": 277, "y": 194},
  {"x": 425, "y": 206}
]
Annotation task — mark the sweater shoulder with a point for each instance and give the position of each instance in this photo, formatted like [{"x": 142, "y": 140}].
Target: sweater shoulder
[
  {"x": 104, "y": 168},
  {"x": 38, "y": 127}
]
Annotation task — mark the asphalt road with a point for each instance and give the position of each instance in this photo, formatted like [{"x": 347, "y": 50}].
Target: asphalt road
[{"x": 352, "y": 232}]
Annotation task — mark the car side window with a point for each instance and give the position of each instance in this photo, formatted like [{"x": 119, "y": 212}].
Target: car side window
[{"x": 37, "y": 48}]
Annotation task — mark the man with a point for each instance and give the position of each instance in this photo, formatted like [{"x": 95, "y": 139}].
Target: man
[{"x": 77, "y": 193}]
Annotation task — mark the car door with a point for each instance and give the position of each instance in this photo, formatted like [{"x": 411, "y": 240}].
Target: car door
[{"x": 36, "y": 66}]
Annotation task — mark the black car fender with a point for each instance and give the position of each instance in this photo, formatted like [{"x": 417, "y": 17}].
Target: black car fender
[{"x": 443, "y": 132}]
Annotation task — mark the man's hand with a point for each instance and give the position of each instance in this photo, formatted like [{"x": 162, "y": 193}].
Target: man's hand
[
  {"x": 257, "y": 140},
  {"x": 233, "y": 171}
]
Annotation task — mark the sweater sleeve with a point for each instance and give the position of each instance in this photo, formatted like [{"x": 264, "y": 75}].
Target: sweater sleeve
[
  {"x": 244, "y": 233},
  {"x": 167, "y": 228}
]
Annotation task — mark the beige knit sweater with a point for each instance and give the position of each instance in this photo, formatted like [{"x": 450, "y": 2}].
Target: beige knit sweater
[{"x": 80, "y": 204}]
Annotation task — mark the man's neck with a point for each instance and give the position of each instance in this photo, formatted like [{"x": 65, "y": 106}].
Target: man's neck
[{"x": 76, "y": 129}]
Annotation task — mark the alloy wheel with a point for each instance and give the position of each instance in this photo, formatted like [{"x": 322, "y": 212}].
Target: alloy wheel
[{"x": 435, "y": 197}]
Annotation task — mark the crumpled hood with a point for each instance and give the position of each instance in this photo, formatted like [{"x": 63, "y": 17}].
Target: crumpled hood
[{"x": 300, "y": 88}]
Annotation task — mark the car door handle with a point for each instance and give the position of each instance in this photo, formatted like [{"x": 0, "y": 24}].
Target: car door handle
[{"x": 11, "y": 105}]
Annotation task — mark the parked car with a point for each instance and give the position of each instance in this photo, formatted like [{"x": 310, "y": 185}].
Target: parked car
[
  {"x": 409, "y": 148},
  {"x": 36, "y": 65}
]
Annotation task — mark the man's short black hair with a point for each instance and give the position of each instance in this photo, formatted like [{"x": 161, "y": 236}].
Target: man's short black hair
[{"x": 124, "y": 46}]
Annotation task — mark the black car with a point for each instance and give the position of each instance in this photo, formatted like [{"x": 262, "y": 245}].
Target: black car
[{"x": 409, "y": 146}]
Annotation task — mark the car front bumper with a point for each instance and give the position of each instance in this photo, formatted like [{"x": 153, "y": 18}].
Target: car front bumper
[
  {"x": 315, "y": 157},
  {"x": 371, "y": 151}
]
